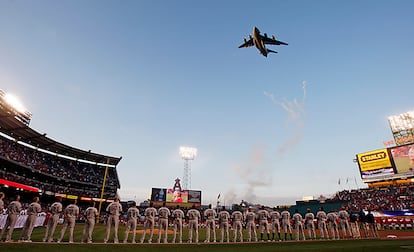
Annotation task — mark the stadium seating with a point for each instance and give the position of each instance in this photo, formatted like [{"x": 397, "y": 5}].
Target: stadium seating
[
  {"x": 391, "y": 197},
  {"x": 52, "y": 173}
]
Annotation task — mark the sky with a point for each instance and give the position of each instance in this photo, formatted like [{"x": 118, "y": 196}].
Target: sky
[{"x": 139, "y": 79}]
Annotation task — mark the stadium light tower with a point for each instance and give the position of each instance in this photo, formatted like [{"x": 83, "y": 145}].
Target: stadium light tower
[
  {"x": 402, "y": 127},
  {"x": 188, "y": 154},
  {"x": 14, "y": 107}
]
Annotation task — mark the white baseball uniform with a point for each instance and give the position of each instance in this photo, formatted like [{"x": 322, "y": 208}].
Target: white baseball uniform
[
  {"x": 163, "y": 214},
  {"x": 298, "y": 221},
  {"x": 90, "y": 215},
  {"x": 149, "y": 222},
  {"x": 210, "y": 215},
  {"x": 55, "y": 210},
  {"x": 321, "y": 216},
  {"x": 113, "y": 209},
  {"x": 71, "y": 213},
  {"x": 178, "y": 216},
  {"x": 250, "y": 219},
  {"x": 237, "y": 225},
  {"x": 224, "y": 218},
  {"x": 193, "y": 217}
]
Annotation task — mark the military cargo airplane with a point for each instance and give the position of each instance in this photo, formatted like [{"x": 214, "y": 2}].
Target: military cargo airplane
[{"x": 260, "y": 41}]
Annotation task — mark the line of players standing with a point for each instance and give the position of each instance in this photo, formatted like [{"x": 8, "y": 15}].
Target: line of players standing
[
  {"x": 71, "y": 213},
  {"x": 278, "y": 221}
]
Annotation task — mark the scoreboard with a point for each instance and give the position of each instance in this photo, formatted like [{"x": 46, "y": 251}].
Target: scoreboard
[{"x": 387, "y": 164}]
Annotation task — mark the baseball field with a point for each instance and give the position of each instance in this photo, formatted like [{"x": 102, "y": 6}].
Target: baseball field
[{"x": 404, "y": 241}]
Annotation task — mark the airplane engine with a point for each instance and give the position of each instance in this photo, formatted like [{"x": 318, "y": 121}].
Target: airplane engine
[{"x": 273, "y": 37}]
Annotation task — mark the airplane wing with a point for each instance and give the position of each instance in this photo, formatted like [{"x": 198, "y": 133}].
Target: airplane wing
[
  {"x": 247, "y": 43},
  {"x": 272, "y": 41}
]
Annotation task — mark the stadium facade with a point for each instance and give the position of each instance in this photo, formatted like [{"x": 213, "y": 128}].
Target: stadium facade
[{"x": 32, "y": 162}]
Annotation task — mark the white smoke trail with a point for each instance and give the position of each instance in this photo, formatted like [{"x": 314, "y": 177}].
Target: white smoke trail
[
  {"x": 257, "y": 171},
  {"x": 296, "y": 112}
]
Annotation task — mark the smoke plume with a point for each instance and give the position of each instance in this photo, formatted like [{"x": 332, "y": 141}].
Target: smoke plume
[
  {"x": 257, "y": 171},
  {"x": 296, "y": 112}
]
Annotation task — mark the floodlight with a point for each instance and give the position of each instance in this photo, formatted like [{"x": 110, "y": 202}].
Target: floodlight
[
  {"x": 14, "y": 107},
  {"x": 15, "y": 103},
  {"x": 402, "y": 127},
  {"x": 401, "y": 122},
  {"x": 187, "y": 153}
]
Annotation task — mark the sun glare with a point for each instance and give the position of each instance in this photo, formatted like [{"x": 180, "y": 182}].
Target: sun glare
[{"x": 14, "y": 102}]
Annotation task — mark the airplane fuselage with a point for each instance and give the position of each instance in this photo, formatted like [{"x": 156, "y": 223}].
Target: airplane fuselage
[{"x": 258, "y": 42}]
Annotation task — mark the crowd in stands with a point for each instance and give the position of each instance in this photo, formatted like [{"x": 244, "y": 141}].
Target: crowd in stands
[
  {"x": 391, "y": 197},
  {"x": 60, "y": 175}
]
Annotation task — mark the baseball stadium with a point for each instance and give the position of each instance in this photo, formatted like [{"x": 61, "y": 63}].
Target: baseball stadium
[{"x": 33, "y": 166}]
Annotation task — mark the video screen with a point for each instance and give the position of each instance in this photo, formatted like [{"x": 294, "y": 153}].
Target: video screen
[
  {"x": 177, "y": 196},
  {"x": 194, "y": 196},
  {"x": 403, "y": 157},
  {"x": 158, "y": 194}
]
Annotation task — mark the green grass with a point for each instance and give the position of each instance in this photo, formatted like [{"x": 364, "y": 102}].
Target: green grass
[
  {"x": 320, "y": 246},
  {"x": 377, "y": 245}
]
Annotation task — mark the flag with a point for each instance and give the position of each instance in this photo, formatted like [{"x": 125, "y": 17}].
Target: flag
[
  {"x": 218, "y": 197},
  {"x": 339, "y": 181}
]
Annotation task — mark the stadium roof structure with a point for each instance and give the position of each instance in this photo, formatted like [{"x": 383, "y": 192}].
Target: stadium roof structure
[{"x": 12, "y": 127}]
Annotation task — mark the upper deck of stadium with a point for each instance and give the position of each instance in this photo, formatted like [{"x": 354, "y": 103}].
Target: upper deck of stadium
[{"x": 12, "y": 127}]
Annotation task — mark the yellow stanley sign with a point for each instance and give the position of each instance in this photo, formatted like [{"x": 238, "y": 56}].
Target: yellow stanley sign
[{"x": 374, "y": 160}]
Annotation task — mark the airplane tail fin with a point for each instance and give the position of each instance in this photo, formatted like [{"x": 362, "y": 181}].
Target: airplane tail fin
[{"x": 268, "y": 50}]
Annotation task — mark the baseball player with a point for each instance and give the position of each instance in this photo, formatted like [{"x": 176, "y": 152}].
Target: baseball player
[
  {"x": 32, "y": 211},
  {"x": 210, "y": 215},
  {"x": 274, "y": 217},
  {"x": 298, "y": 222},
  {"x": 309, "y": 217},
  {"x": 237, "y": 217},
  {"x": 362, "y": 220},
  {"x": 13, "y": 210},
  {"x": 343, "y": 217},
  {"x": 163, "y": 214},
  {"x": 55, "y": 210},
  {"x": 193, "y": 217},
  {"x": 250, "y": 218},
  {"x": 286, "y": 223},
  {"x": 353, "y": 219},
  {"x": 132, "y": 215},
  {"x": 372, "y": 226},
  {"x": 113, "y": 209},
  {"x": 1, "y": 202},
  {"x": 149, "y": 222},
  {"x": 90, "y": 215},
  {"x": 263, "y": 216},
  {"x": 333, "y": 218},
  {"x": 321, "y": 216},
  {"x": 178, "y": 216},
  {"x": 71, "y": 213},
  {"x": 224, "y": 218}
]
